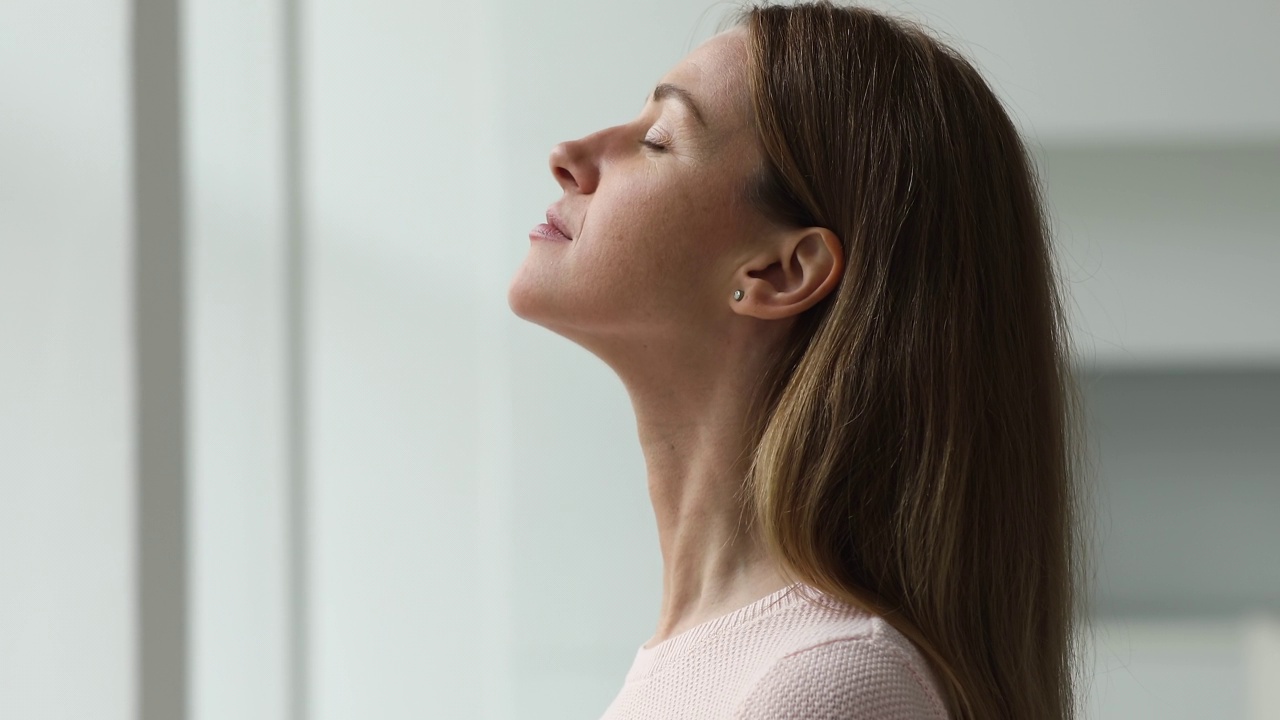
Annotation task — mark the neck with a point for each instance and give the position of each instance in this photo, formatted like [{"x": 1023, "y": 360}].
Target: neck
[{"x": 697, "y": 452}]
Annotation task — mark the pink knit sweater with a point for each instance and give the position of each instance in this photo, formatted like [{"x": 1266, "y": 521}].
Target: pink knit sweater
[{"x": 796, "y": 653}]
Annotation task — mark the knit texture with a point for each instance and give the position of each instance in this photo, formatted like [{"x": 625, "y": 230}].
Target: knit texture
[{"x": 796, "y": 653}]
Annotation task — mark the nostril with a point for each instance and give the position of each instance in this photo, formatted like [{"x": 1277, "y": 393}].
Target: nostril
[{"x": 571, "y": 166}]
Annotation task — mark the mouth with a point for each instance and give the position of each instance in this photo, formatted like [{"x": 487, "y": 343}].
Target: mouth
[
  {"x": 546, "y": 231},
  {"x": 554, "y": 220}
]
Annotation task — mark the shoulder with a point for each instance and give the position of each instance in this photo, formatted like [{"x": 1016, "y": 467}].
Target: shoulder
[{"x": 874, "y": 674}]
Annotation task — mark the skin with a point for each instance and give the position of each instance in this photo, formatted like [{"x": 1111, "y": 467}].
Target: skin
[{"x": 661, "y": 239}]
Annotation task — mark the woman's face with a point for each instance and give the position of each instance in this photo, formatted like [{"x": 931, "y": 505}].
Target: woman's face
[{"x": 659, "y": 235}]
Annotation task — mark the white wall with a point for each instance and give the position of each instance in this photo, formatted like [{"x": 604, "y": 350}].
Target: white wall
[
  {"x": 404, "y": 198},
  {"x": 67, "y": 593}
]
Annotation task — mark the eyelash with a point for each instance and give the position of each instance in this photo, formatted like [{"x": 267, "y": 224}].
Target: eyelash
[{"x": 653, "y": 145}]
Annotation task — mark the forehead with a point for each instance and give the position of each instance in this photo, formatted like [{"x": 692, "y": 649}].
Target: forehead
[{"x": 715, "y": 74}]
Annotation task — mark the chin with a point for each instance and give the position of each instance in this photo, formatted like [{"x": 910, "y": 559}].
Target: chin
[
  {"x": 530, "y": 302},
  {"x": 515, "y": 301}
]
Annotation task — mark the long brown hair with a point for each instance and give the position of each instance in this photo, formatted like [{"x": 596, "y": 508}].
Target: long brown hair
[{"x": 917, "y": 448}]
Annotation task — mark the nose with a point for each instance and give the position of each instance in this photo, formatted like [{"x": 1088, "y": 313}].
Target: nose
[{"x": 574, "y": 164}]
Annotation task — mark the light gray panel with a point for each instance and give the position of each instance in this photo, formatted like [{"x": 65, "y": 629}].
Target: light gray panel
[
  {"x": 1188, "y": 491},
  {"x": 1169, "y": 252}
]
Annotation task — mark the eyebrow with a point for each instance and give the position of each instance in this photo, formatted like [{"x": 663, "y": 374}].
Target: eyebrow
[{"x": 666, "y": 90}]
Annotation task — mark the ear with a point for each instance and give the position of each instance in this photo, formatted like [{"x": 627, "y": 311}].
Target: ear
[{"x": 796, "y": 273}]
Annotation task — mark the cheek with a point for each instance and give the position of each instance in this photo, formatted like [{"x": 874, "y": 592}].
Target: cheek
[{"x": 658, "y": 240}]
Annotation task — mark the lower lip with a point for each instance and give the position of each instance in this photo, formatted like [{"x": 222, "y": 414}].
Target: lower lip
[{"x": 543, "y": 231}]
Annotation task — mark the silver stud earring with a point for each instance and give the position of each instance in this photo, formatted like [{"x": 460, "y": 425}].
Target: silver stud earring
[{"x": 737, "y": 294}]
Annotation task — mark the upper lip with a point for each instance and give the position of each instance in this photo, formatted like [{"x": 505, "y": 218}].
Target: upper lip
[{"x": 554, "y": 220}]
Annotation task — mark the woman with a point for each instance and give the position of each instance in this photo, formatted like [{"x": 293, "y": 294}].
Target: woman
[{"x": 818, "y": 262}]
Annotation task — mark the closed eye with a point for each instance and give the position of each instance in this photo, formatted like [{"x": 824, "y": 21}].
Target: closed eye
[{"x": 662, "y": 143}]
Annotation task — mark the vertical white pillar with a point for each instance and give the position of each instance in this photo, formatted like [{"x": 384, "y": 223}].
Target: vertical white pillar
[{"x": 237, "y": 133}]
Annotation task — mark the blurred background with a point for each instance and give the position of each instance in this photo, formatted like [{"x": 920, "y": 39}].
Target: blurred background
[{"x": 272, "y": 445}]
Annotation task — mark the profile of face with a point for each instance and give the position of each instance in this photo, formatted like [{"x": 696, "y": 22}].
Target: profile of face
[{"x": 661, "y": 235}]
